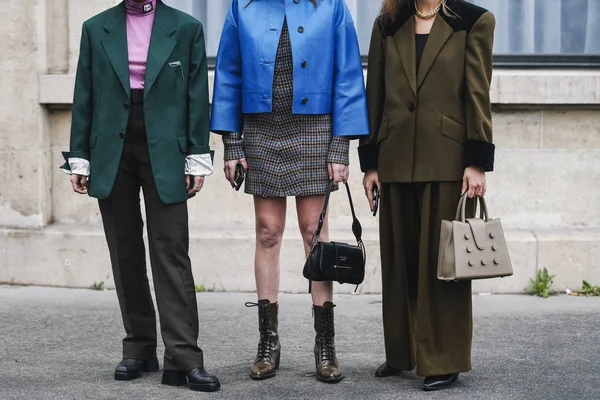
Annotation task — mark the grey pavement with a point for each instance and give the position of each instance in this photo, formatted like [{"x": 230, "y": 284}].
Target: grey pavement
[{"x": 65, "y": 343}]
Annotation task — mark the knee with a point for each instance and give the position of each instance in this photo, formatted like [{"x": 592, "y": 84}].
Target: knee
[
  {"x": 269, "y": 236},
  {"x": 307, "y": 230}
]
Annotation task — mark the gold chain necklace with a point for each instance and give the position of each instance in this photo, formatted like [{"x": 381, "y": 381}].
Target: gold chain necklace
[{"x": 431, "y": 14}]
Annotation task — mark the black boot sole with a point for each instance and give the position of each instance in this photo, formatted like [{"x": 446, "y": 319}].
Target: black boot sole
[
  {"x": 127, "y": 376},
  {"x": 179, "y": 378},
  {"x": 262, "y": 377},
  {"x": 150, "y": 366},
  {"x": 330, "y": 379},
  {"x": 446, "y": 385}
]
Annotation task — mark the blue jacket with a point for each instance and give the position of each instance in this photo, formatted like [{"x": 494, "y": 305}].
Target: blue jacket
[{"x": 328, "y": 74}]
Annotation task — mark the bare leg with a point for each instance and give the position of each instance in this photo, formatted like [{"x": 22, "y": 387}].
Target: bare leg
[
  {"x": 270, "y": 223},
  {"x": 309, "y": 208}
]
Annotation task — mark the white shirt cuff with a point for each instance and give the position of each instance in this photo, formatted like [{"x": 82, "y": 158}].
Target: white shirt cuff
[
  {"x": 198, "y": 165},
  {"x": 78, "y": 166}
]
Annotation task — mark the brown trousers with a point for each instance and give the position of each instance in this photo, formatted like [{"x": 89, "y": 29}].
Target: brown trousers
[
  {"x": 427, "y": 322},
  {"x": 171, "y": 268}
]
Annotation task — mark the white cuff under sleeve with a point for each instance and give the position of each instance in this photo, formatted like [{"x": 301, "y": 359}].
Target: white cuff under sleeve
[
  {"x": 79, "y": 166},
  {"x": 198, "y": 165}
]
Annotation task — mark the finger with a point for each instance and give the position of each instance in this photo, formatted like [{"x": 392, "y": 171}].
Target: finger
[
  {"x": 189, "y": 185},
  {"x": 368, "y": 184},
  {"x": 198, "y": 183},
  {"x": 75, "y": 186},
  {"x": 465, "y": 185},
  {"x": 84, "y": 182},
  {"x": 75, "y": 182},
  {"x": 370, "y": 196},
  {"x": 229, "y": 173},
  {"x": 472, "y": 190},
  {"x": 244, "y": 164},
  {"x": 346, "y": 173},
  {"x": 232, "y": 173},
  {"x": 330, "y": 170},
  {"x": 337, "y": 175}
]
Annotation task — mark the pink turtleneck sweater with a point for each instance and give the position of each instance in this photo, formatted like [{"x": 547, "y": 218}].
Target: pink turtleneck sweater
[{"x": 140, "y": 18}]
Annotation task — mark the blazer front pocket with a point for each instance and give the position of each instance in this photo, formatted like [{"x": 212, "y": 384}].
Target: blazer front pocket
[
  {"x": 453, "y": 129},
  {"x": 383, "y": 131},
  {"x": 177, "y": 66}
]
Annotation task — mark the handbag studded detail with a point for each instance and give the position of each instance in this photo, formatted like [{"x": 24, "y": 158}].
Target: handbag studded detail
[
  {"x": 472, "y": 248},
  {"x": 334, "y": 261}
]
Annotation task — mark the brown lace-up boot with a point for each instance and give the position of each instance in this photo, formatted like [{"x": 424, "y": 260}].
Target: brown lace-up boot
[
  {"x": 266, "y": 362},
  {"x": 326, "y": 361}
]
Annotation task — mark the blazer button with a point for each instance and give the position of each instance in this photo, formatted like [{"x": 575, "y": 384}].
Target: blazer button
[
  {"x": 305, "y": 100},
  {"x": 121, "y": 135},
  {"x": 296, "y": 1},
  {"x": 301, "y": 29},
  {"x": 411, "y": 108},
  {"x": 126, "y": 106},
  {"x": 304, "y": 64}
]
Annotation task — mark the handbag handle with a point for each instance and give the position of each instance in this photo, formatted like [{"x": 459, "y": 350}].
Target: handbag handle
[
  {"x": 462, "y": 208},
  {"x": 356, "y": 227}
]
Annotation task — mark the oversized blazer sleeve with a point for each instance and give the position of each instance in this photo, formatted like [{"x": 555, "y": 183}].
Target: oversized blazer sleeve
[
  {"x": 198, "y": 116},
  {"x": 367, "y": 149},
  {"x": 227, "y": 93},
  {"x": 349, "y": 99},
  {"x": 479, "y": 149},
  {"x": 81, "y": 123}
]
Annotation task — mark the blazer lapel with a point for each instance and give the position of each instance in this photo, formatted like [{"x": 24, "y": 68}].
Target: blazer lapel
[
  {"x": 161, "y": 45},
  {"x": 405, "y": 42},
  {"x": 439, "y": 35},
  {"x": 115, "y": 45}
]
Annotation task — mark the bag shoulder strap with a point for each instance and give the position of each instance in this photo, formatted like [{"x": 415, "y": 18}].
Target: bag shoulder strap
[{"x": 356, "y": 226}]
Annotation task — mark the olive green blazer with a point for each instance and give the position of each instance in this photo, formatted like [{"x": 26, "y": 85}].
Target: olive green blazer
[
  {"x": 176, "y": 105},
  {"x": 428, "y": 125}
]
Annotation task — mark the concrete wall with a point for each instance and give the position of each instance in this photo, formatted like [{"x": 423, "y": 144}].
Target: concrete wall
[{"x": 545, "y": 188}]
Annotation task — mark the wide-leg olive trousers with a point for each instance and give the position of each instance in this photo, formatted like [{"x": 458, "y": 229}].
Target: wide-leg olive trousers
[{"x": 427, "y": 322}]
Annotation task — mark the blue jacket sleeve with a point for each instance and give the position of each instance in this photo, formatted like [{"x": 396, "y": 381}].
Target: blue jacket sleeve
[
  {"x": 349, "y": 98},
  {"x": 227, "y": 94}
]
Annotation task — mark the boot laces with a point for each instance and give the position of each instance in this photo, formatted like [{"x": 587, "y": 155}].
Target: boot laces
[
  {"x": 265, "y": 321},
  {"x": 326, "y": 338}
]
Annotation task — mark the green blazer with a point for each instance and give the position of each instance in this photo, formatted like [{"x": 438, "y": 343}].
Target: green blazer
[
  {"x": 428, "y": 124},
  {"x": 176, "y": 104}
]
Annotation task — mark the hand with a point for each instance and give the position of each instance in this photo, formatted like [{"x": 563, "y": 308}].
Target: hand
[
  {"x": 370, "y": 181},
  {"x": 474, "y": 182},
  {"x": 338, "y": 172},
  {"x": 193, "y": 184},
  {"x": 229, "y": 169},
  {"x": 79, "y": 183}
]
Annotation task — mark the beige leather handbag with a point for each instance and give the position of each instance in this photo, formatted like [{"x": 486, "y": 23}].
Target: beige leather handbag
[{"x": 472, "y": 248}]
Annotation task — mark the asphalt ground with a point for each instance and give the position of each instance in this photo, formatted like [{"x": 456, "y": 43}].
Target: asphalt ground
[{"x": 65, "y": 344}]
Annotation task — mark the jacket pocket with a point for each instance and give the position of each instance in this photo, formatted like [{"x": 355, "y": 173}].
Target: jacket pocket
[
  {"x": 93, "y": 139},
  {"x": 183, "y": 144},
  {"x": 453, "y": 129},
  {"x": 383, "y": 131}
]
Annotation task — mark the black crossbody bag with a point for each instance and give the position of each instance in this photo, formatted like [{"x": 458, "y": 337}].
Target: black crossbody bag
[{"x": 334, "y": 261}]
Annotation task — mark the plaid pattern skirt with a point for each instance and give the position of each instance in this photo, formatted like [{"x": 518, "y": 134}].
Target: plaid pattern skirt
[{"x": 287, "y": 155}]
